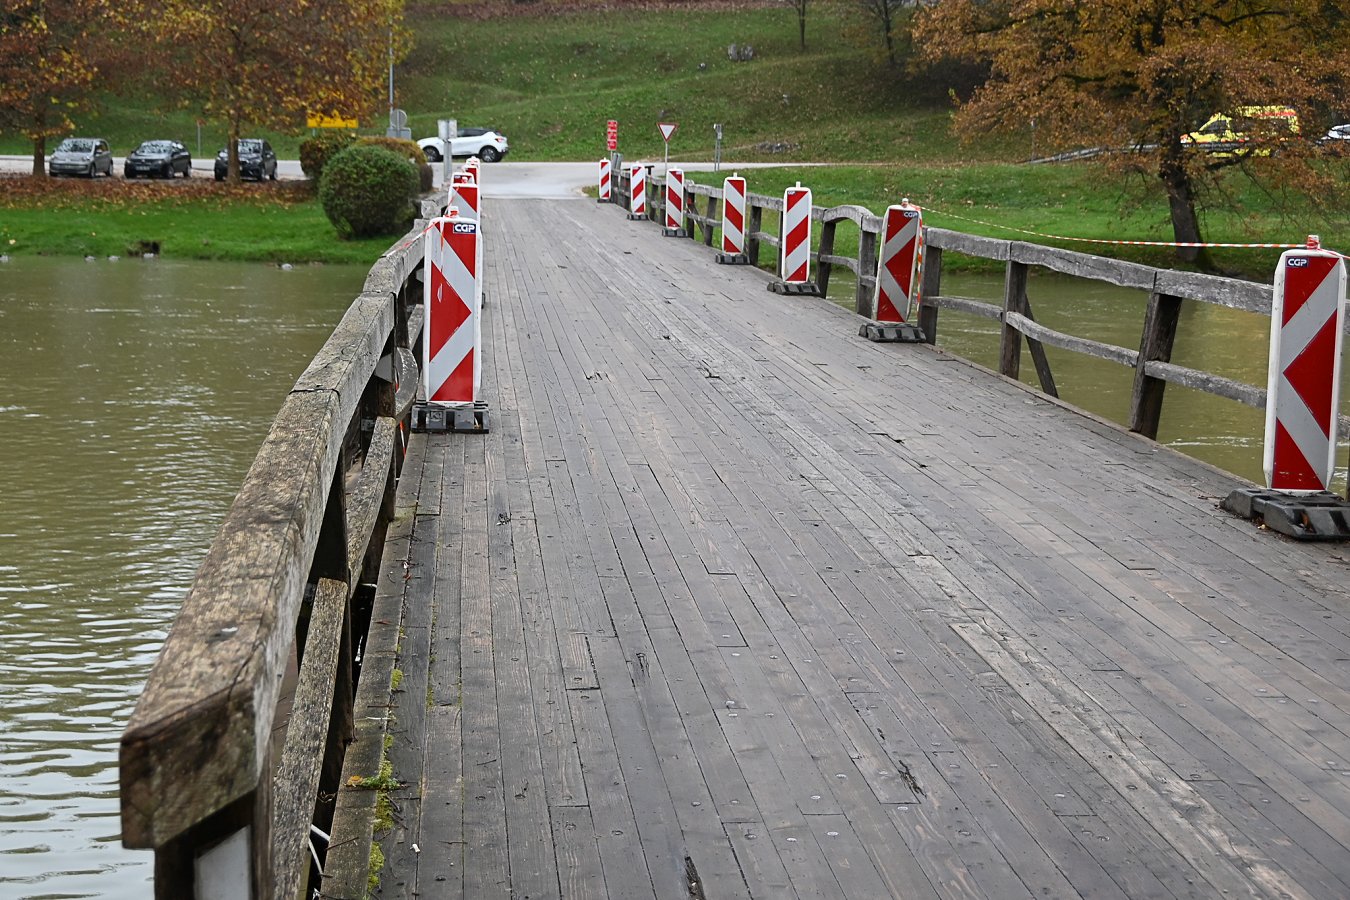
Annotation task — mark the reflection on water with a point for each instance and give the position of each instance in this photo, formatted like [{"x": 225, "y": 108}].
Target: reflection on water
[
  {"x": 1211, "y": 338},
  {"x": 133, "y": 397}
]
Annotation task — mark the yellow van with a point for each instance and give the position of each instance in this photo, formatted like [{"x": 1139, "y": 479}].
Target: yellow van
[{"x": 1226, "y": 135}]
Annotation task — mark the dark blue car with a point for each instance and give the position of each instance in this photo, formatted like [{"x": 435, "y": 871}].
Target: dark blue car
[{"x": 256, "y": 160}]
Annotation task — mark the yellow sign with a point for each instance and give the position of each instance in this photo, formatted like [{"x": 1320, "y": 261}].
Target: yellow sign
[{"x": 329, "y": 122}]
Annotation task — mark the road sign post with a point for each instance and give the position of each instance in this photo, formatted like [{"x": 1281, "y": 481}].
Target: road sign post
[
  {"x": 667, "y": 129},
  {"x": 446, "y": 130}
]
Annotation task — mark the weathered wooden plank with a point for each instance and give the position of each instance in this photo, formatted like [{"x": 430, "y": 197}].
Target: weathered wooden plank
[
  {"x": 296, "y": 782},
  {"x": 968, "y": 244},
  {"x": 348, "y": 861},
  {"x": 1097, "y": 349},
  {"x": 1209, "y": 383},
  {"x": 366, "y": 497},
  {"x": 1085, "y": 265}
]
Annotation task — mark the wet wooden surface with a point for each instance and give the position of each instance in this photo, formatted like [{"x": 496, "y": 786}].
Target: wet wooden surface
[{"x": 732, "y": 602}]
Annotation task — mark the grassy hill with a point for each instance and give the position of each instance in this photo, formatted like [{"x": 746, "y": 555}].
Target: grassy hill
[{"x": 549, "y": 75}]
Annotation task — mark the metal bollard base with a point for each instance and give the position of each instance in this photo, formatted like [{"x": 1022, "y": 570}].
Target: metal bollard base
[
  {"x": 733, "y": 259},
  {"x": 1306, "y": 517},
  {"x": 810, "y": 289},
  {"x": 434, "y": 418},
  {"x": 892, "y": 332}
]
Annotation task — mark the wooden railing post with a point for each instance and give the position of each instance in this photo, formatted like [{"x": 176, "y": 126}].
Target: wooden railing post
[
  {"x": 708, "y": 226},
  {"x": 231, "y": 851},
  {"x": 1160, "y": 332},
  {"x": 756, "y": 226},
  {"x": 1010, "y": 341},
  {"x": 826, "y": 249},
  {"x": 867, "y": 265},
  {"x": 930, "y": 288}
]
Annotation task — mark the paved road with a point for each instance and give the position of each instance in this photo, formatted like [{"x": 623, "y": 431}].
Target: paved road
[{"x": 535, "y": 180}]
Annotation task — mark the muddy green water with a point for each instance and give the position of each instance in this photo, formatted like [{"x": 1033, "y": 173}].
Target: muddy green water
[{"x": 133, "y": 396}]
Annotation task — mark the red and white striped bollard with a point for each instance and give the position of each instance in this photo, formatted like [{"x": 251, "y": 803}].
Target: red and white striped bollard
[
  {"x": 637, "y": 191},
  {"x": 605, "y": 186},
  {"x": 733, "y": 221},
  {"x": 898, "y": 271},
  {"x": 1303, "y": 390},
  {"x": 452, "y": 334},
  {"x": 794, "y": 258},
  {"x": 674, "y": 204}
]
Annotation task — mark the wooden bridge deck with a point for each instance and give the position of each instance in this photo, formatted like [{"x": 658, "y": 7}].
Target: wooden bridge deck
[{"x": 731, "y": 602}]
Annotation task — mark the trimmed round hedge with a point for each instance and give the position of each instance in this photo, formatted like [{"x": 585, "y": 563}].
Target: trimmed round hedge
[
  {"x": 315, "y": 152},
  {"x": 367, "y": 190}
]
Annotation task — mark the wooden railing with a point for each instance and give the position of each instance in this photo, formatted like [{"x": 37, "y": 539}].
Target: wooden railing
[
  {"x": 1151, "y": 361},
  {"x": 235, "y": 751}
]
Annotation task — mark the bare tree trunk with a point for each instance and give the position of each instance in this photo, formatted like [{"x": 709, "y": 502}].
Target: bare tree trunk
[
  {"x": 40, "y": 146},
  {"x": 232, "y": 152},
  {"x": 1181, "y": 202},
  {"x": 887, "y": 24},
  {"x": 40, "y": 157}
]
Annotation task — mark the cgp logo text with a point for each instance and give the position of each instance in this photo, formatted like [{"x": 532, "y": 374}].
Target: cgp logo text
[
  {"x": 911, "y": 214},
  {"x": 465, "y": 228},
  {"x": 1298, "y": 262}
]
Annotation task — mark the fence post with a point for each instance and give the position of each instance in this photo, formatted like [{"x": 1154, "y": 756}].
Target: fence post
[
  {"x": 826, "y": 249},
  {"x": 867, "y": 264},
  {"x": 929, "y": 290},
  {"x": 1010, "y": 342},
  {"x": 756, "y": 226},
  {"x": 1160, "y": 332}
]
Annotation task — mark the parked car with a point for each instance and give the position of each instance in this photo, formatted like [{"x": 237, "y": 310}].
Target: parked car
[
  {"x": 81, "y": 156},
  {"x": 256, "y": 160},
  {"x": 1226, "y": 135},
  {"x": 162, "y": 158},
  {"x": 486, "y": 144},
  {"x": 1338, "y": 136}
]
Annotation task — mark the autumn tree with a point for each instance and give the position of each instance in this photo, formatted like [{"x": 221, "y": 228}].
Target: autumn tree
[
  {"x": 255, "y": 64},
  {"x": 52, "y": 54},
  {"x": 1143, "y": 74}
]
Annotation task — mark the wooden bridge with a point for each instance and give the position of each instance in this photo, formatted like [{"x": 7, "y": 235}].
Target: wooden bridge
[{"x": 731, "y": 602}]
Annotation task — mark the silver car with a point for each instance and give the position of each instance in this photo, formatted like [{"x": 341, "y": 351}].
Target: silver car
[{"x": 81, "y": 156}]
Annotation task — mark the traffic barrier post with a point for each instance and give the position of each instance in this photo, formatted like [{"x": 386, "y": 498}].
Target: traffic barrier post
[
  {"x": 733, "y": 222},
  {"x": 794, "y": 258},
  {"x": 674, "y": 205},
  {"x": 637, "y": 192},
  {"x": 898, "y": 276},
  {"x": 605, "y": 184},
  {"x": 452, "y": 332}
]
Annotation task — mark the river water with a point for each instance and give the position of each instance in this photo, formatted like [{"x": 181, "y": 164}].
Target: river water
[{"x": 135, "y": 395}]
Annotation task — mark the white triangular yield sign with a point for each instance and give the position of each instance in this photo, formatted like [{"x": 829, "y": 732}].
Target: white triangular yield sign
[{"x": 667, "y": 129}]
